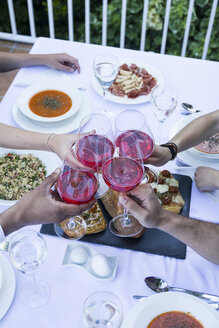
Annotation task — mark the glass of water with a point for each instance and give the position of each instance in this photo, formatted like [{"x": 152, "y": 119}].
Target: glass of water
[
  {"x": 27, "y": 252},
  {"x": 102, "y": 310},
  {"x": 105, "y": 68},
  {"x": 164, "y": 101}
]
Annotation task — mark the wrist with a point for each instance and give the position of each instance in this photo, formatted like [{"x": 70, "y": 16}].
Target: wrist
[{"x": 173, "y": 149}]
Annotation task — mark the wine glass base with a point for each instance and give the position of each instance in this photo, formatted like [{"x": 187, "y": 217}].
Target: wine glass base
[
  {"x": 119, "y": 228},
  {"x": 75, "y": 232},
  {"x": 35, "y": 295}
]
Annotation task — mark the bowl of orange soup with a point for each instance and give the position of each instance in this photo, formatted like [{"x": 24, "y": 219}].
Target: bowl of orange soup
[
  {"x": 172, "y": 309},
  {"x": 50, "y": 101}
]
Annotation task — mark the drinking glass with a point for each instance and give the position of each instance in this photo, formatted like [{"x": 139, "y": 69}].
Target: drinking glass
[
  {"x": 100, "y": 142},
  {"x": 77, "y": 184},
  {"x": 164, "y": 101},
  {"x": 102, "y": 310},
  {"x": 123, "y": 174},
  {"x": 105, "y": 68},
  {"x": 27, "y": 252}
]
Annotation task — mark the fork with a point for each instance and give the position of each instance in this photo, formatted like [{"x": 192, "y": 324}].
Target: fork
[{"x": 4, "y": 245}]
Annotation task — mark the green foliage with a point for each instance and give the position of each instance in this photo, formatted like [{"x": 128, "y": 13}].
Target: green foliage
[{"x": 134, "y": 15}]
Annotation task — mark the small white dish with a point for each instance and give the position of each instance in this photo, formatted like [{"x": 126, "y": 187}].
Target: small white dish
[
  {"x": 48, "y": 84},
  {"x": 98, "y": 265},
  {"x": 50, "y": 160},
  {"x": 146, "y": 310},
  {"x": 125, "y": 100},
  {"x": 65, "y": 126},
  {"x": 8, "y": 285},
  {"x": 1, "y": 277}
]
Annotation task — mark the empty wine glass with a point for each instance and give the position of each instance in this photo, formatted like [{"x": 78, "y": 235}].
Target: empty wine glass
[
  {"x": 105, "y": 68},
  {"x": 102, "y": 310},
  {"x": 164, "y": 101},
  {"x": 27, "y": 252},
  {"x": 77, "y": 184},
  {"x": 100, "y": 142}
]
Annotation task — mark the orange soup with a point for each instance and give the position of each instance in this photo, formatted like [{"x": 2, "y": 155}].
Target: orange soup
[
  {"x": 50, "y": 103},
  {"x": 174, "y": 319}
]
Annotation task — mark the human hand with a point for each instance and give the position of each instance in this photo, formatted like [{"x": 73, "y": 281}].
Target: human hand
[
  {"x": 62, "y": 143},
  {"x": 43, "y": 205},
  {"x": 160, "y": 156},
  {"x": 62, "y": 62},
  {"x": 143, "y": 204},
  {"x": 206, "y": 178}
]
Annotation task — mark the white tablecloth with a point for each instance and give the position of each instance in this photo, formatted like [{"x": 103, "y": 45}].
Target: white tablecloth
[{"x": 198, "y": 83}]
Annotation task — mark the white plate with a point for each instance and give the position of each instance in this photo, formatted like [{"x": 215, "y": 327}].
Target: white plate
[
  {"x": 49, "y": 84},
  {"x": 50, "y": 160},
  {"x": 1, "y": 277},
  {"x": 64, "y": 126},
  {"x": 192, "y": 156},
  {"x": 146, "y": 310},
  {"x": 8, "y": 286},
  {"x": 125, "y": 100}
]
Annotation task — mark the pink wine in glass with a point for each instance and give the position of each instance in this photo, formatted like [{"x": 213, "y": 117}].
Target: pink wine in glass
[
  {"x": 101, "y": 146},
  {"x": 77, "y": 187},
  {"x": 122, "y": 174},
  {"x": 127, "y": 144}
]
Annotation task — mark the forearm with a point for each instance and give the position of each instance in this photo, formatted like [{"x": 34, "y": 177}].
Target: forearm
[
  {"x": 10, "y": 220},
  {"x": 13, "y": 61},
  {"x": 197, "y": 131},
  {"x": 11, "y": 137},
  {"x": 201, "y": 236}
]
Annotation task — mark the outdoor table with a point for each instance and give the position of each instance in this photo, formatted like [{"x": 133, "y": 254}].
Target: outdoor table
[{"x": 197, "y": 83}]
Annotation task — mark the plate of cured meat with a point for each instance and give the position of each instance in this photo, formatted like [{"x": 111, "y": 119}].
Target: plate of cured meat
[{"x": 133, "y": 84}]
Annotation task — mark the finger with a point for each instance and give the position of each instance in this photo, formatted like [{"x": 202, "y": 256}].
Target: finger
[
  {"x": 64, "y": 67},
  {"x": 70, "y": 210},
  {"x": 132, "y": 207},
  {"x": 51, "y": 179}
]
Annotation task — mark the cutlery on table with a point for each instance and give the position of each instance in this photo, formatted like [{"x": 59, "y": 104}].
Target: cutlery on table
[
  {"x": 159, "y": 285},
  {"x": 4, "y": 245},
  {"x": 189, "y": 108}
]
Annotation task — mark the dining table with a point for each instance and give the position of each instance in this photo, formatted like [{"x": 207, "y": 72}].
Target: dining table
[{"x": 197, "y": 82}]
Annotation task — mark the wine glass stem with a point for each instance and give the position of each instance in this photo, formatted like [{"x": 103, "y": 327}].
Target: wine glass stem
[
  {"x": 126, "y": 220},
  {"x": 71, "y": 223},
  {"x": 104, "y": 101}
]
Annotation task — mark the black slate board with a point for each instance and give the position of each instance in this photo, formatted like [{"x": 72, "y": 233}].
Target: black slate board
[{"x": 153, "y": 240}]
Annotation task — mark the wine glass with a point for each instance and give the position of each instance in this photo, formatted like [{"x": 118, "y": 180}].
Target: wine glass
[
  {"x": 102, "y": 310},
  {"x": 123, "y": 174},
  {"x": 27, "y": 251},
  {"x": 100, "y": 142},
  {"x": 77, "y": 184},
  {"x": 164, "y": 101},
  {"x": 105, "y": 68}
]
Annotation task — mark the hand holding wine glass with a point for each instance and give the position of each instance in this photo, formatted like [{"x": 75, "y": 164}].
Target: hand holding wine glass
[
  {"x": 77, "y": 184},
  {"x": 27, "y": 252},
  {"x": 105, "y": 68}
]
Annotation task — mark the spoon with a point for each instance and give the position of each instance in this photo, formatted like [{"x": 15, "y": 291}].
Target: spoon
[
  {"x": 190, "y": 108},
  {"x": 159, "y": 285}
]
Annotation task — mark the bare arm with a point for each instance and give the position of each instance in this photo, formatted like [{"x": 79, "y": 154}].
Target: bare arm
[
  {"x": 37, "y": 206},
  {"x": 194, "y": 133},
  {"x": 197, "y": 131},
  {"x": 11, "y": 137},
  {"x": 62, "y": 61},
  {"x": 202, "y": 236}
]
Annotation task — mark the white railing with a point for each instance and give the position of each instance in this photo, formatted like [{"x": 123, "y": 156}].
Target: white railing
[{"x": 14, "y": 36}]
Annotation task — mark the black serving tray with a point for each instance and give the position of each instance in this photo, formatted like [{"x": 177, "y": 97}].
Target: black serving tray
[{"x": 152, "y": 241}]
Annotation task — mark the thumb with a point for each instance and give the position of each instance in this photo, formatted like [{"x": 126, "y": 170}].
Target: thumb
[
  {"x": 51, "y": 179},
  {"x": 132, "y": 207}
]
